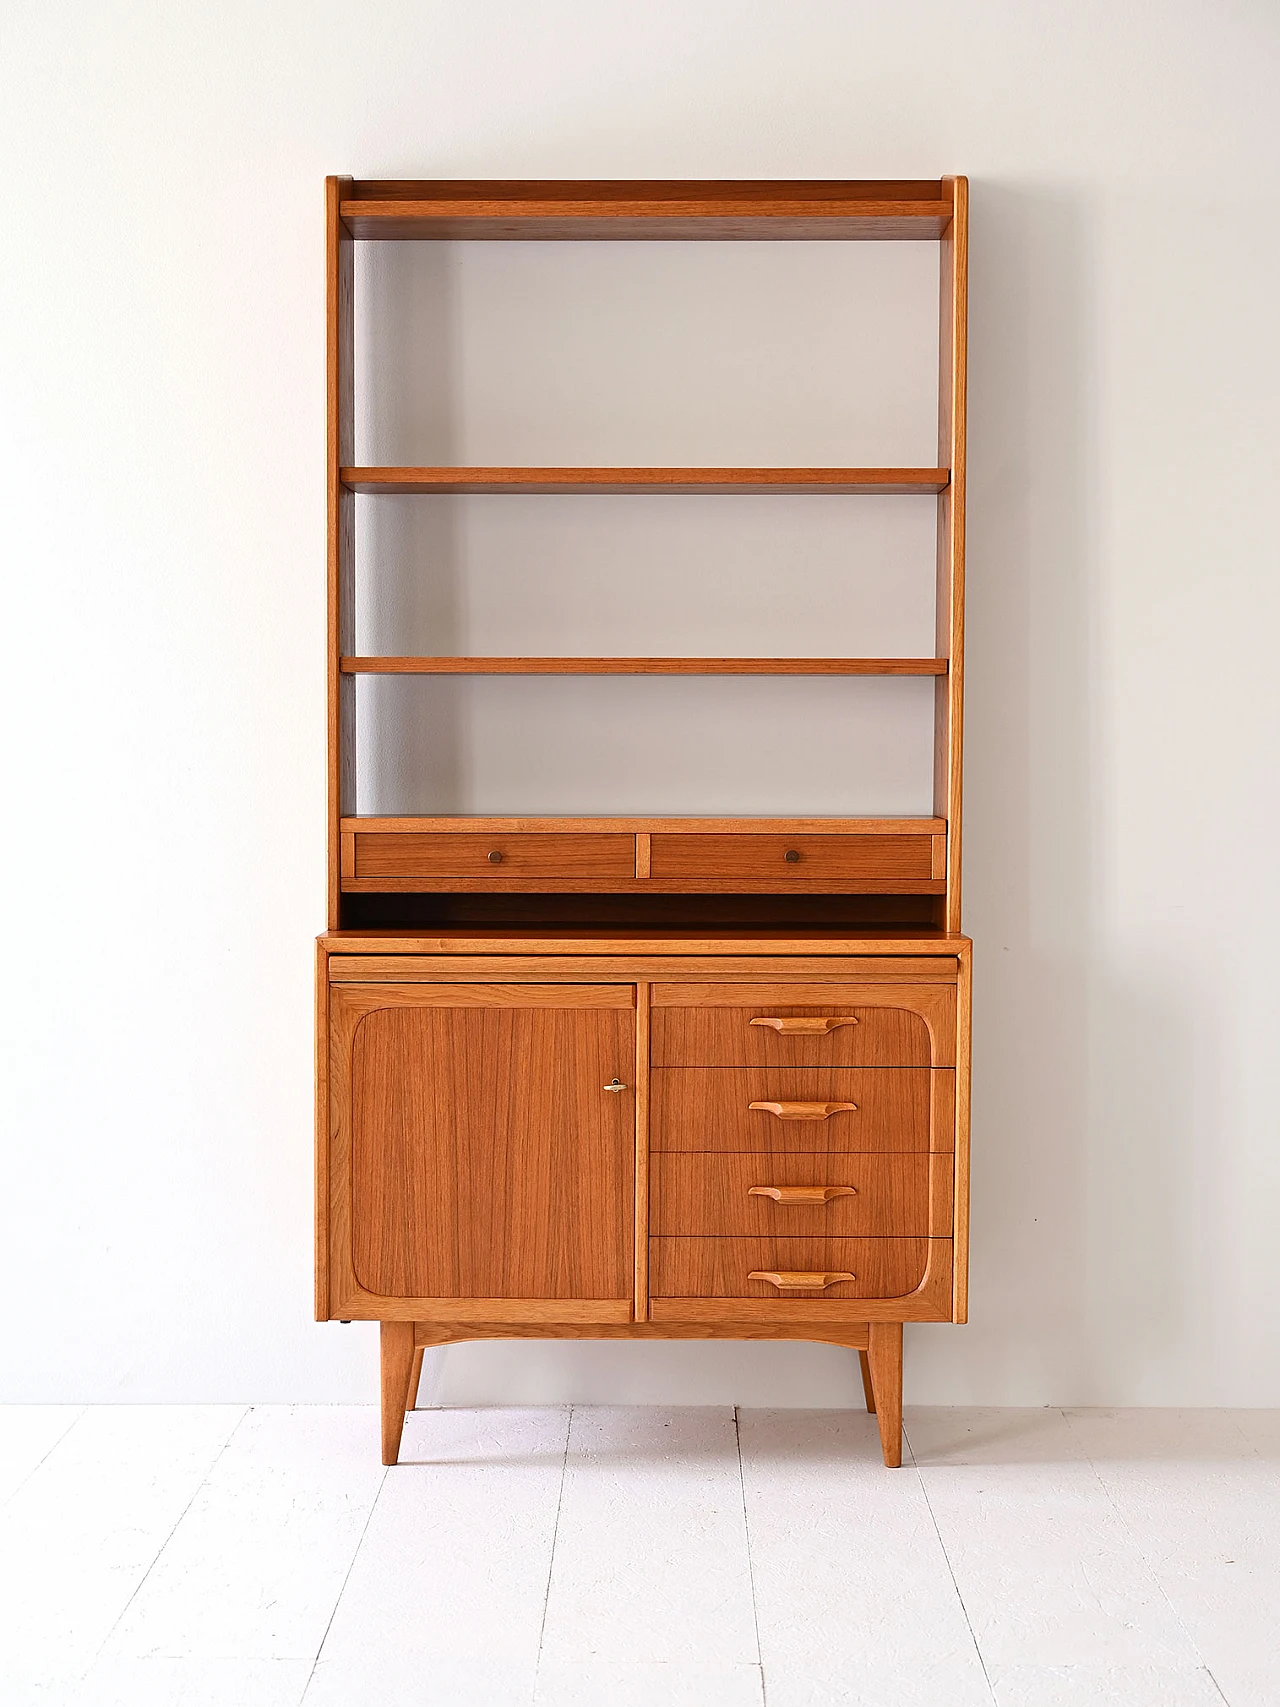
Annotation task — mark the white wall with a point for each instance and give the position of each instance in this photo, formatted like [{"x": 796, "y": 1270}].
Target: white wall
[{"x": 162, "y": 483}]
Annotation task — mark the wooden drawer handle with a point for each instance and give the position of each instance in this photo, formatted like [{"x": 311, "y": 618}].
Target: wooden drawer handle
[
  {"x": 805, "y": 1110},
  {"x": 801, "y": 1025},
  {"x": 803, "y": 1193},
  {"x": 796, "y": 1280}
]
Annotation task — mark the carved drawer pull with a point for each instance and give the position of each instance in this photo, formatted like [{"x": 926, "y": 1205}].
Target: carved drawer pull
[
  {"x": 802, "y": 1193},
  {"x": 805, "y": 1110},
  {"x": 796, "y": 1280},
  {"x": 803, "y": 1025}
]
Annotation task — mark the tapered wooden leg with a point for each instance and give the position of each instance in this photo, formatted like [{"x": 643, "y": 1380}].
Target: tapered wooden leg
[
  {"x": 415, "y": 1379},
  {"x": 868, "y": 1390},
  {"x": 397, "y": 1361},
  {"x": 884, "y": 1354}
]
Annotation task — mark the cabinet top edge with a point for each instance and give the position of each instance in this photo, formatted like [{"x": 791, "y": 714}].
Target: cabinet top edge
[{"x": 466, "y": 940}]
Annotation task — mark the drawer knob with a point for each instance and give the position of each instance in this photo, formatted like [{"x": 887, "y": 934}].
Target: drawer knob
[
  {"x": 805, "y": 1025},
  {"x": 791, "y": 856},
  {"x": 797, "y": 1280},
  {"x": 805, "y": 1110},
  {"x": 802, "y": 1193},
  {"x": 495, "y": 858},
  {"x": 615, "y": 1085}
]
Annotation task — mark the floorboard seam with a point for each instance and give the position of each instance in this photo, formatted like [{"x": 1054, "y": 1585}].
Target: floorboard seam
[
  {"x": 555, "y": 1534},
  {"x": 946, "y": 1557},
  {"x": 1141, "y": 1551},
  {"x": 14, "y": 1492},
  {"x": 751, "y": 1569},
  {"x": 337, "y": 1599},
  {"x": 159, "y": 1553}
]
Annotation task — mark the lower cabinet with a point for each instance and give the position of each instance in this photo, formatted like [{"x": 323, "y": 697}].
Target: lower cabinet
[{"x": 742, "y": 1156}]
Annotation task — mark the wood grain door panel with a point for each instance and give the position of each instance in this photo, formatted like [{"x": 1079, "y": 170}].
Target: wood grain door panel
[
  {"x": 487, "y": 1159},
  {"x": 839, "y": 1196},
  {"x": 721, "y": 1268},
  {"x": 709, "y": 1108}
]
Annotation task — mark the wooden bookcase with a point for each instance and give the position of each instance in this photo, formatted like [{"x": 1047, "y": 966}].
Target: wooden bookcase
[{"x": 643, "y": 1076}]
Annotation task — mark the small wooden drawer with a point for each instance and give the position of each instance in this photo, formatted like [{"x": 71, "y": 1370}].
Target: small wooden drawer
[
  {"x": 801, "y": 1268},
  {"x": 465, "y": 854},
  {"x": 831, "y": 1110},
  {"x": 825, "y": 1030},
  {"x": 874, "y": 863},
  {"x": 799, "y": 1195}
]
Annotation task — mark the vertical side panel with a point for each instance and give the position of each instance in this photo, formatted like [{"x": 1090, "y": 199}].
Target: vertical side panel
[
  {"x": 642, "y": 1154},
  {"x": 340, "y": 412},
  {"x": 952, "y": 377},
  {"x": 322, "y": 1135},
  {"x": 960, "y": 1296}
]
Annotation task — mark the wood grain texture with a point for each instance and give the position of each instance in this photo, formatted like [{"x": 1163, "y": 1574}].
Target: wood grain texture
[
  {"x": 625, "y": 968},
  {"x": 470, "y": 854},
  {"x": 396, "y": 1358},
  {"x": 710, "y": 1025},
  {"x": 477, "y": 210},
  {"x": 711, "y": 1196},
  {"x": 963, "y": 1076},
  {"x": 697, "y": 1036},
  {"x": 644, "y": 1080},
  {"x": 872, "y": 953},
  {"x": 884, "y": 1359},
  {"x": 633, "y": 826},
  {"x": 340, "y": 596},
  {"x": 777, "y": 885},
  {"x": 842, "y": 858},
  {"x": 721, "y": 1268},
  {"x": 788, "y": 482},
  {"x": 321, "y": 1141},
  {"x": 486, "y": 1159},
  {"x": 949, "y": 642},
  {"x": 698, "y": 1108},
  {"x": 840, "y": 1329},
  {"x": 591, "y": 666}
]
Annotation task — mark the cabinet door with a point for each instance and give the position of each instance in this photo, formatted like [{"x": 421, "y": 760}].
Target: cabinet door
[{"x": 487, "y": 1158}]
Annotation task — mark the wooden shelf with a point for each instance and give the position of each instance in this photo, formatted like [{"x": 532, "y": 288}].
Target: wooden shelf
[
  {"x": 643, "y": 666},
  {"x": 783, "y": 481},
  {"x": 527, "y": 823},
  {"x": 633, "y": 209}
]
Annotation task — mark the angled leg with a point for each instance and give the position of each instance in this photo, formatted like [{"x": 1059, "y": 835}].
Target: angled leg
[
  {"x": 884, "y": 1355},
  {"x": 868, "y": 1390},
  {"x": 397, "y": 1361},
  {"x": 415, "y": 1379}
]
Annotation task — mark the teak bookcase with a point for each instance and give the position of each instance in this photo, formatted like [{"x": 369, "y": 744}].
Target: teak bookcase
[{"x": 644, "y": 1077}]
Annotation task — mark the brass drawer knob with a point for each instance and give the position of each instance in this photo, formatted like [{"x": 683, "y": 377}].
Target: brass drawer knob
[
  {"x": 803, "y": 1193},
  {"x": 791, "y": 856},
  {"x": 495, "y": 858},
  {"x": 797, "y": 1280}
]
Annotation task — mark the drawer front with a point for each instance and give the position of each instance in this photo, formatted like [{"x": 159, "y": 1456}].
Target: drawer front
[
  {"x": 906, "y": 1108},
  {"x": 789, "y": 1034},
  {"x": 803, "y": 1196},
  {"x": 722, "y": 1268},
  {"x": 879, "y": 861},
  {"x": 462, "y": 854}
]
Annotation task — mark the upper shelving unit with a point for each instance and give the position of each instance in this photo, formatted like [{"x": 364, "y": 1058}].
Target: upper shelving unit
[
  {"x": 786, "y": 481},
  {"x": 635, "y": 210}
]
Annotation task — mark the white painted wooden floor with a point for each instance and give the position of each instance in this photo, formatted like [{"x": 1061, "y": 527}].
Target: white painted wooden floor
[{"x": 211, "y": 1557}]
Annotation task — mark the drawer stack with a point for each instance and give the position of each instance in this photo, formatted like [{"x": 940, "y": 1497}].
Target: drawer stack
[{"x": 800, "y": 1142}]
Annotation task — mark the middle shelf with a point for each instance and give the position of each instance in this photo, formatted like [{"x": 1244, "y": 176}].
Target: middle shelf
[{"x": 457, "y": 666}]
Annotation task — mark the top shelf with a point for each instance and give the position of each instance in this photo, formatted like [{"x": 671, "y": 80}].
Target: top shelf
[
  {"x": 405, "y": 210},
  {"x": 619, "y": 480}
]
